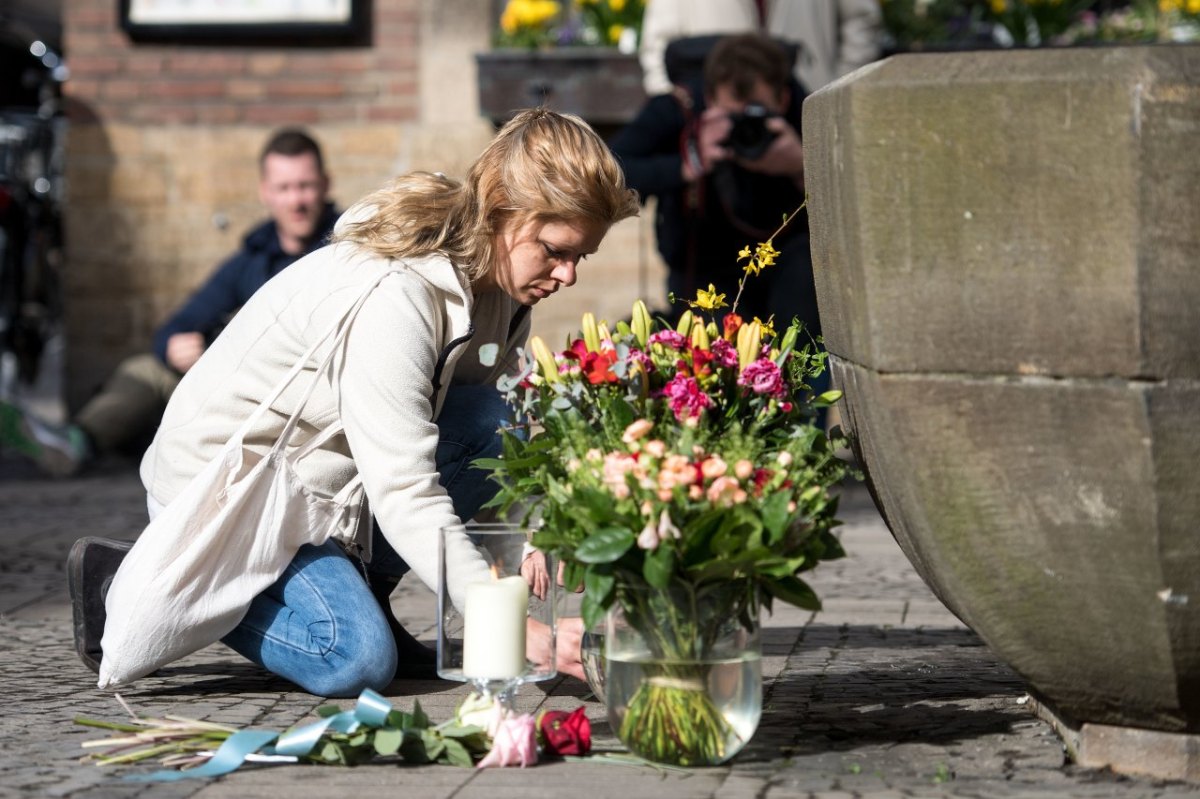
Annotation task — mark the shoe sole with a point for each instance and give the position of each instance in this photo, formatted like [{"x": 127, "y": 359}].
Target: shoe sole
[{"x": 87, "y": 639}]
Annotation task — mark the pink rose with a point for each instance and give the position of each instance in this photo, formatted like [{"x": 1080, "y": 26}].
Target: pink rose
[{"x": 514, "y": 743}]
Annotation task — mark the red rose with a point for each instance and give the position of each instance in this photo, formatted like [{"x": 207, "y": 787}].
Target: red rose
[{"x": 564, "y": 733}]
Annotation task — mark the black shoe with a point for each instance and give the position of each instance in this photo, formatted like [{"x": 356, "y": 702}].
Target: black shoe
[
  {"x": 415, "y": 661},
  {"x": 90, "y": 569}
]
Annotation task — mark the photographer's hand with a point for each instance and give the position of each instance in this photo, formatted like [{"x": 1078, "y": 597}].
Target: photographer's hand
[
  {"x": 784, "y": 156},
  {"x": 713, "y": 129}
]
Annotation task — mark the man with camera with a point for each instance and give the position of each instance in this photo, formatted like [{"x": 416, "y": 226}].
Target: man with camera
[{"x": 724, "y": 159}]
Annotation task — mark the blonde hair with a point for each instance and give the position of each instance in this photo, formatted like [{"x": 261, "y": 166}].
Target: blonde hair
[{"x": 541, "y": 165}]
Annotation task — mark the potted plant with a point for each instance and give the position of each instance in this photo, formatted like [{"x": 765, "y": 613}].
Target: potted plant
[{"x": 579, "y": 59}]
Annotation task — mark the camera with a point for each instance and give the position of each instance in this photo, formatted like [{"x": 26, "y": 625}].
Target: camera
[{"x": 749, "y": 137}]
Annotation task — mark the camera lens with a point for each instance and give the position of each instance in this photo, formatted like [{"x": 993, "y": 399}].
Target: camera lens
[{"x": 749, "y": 136}]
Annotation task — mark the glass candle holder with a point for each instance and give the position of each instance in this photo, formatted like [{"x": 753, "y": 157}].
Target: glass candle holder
[{"x": 505, "y": 632}]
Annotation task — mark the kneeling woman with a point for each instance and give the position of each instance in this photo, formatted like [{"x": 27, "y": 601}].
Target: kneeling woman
[{"x": 419, "y": 277}]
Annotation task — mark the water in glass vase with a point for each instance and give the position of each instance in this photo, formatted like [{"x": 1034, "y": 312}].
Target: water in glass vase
[
  {"x": 591, "y": 654},
  {"x": 687, "y": 714}
]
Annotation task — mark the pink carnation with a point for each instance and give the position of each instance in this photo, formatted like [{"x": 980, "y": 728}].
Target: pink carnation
[
  {"x": 763, "y": 377},
  {"x": 685, "y": 396},
  {"x": 670, "y": 338},
  {"x": 724, "y": 353}
]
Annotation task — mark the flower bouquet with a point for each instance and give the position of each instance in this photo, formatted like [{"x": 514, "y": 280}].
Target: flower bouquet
[{"x": 680, "y": 475}]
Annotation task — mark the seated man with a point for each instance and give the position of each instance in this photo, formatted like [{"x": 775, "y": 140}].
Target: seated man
[
  {"x": 123, "y": 416},
  {"x": 724, "y": 159}
]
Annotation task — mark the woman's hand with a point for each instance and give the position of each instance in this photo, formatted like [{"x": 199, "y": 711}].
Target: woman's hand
[
  {"x": 533, "y": 569},
  {"x": 570, "y": 640}
]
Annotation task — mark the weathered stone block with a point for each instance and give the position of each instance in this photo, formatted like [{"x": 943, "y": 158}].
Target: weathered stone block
[
  {"x": 1035, "y": 193},
  {"x": 1006, "y": 249}
]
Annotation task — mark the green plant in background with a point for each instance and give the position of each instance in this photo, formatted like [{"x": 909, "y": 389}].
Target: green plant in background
[
  {"x": 925, "y": 24},
  {"x": 1033, "y": 22},
  {"x": 612, "y": 22},
  {"x": 1179, "y": 20},
  {"x": 913, "y": 25}
]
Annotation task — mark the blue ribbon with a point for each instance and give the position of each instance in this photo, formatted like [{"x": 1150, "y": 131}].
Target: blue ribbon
[
  {"x": 371, "y": 710},
  {"x": 227, "y": 758}
]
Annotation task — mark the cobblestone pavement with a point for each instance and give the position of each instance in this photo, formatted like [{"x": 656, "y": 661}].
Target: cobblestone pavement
[{"x": 883, "y": 693}]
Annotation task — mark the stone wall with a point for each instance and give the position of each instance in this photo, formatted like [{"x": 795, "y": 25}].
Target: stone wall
[{"x": 162, "y": 158}]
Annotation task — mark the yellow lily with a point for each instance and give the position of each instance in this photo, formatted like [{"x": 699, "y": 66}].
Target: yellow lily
[
  {"x": 749, "y": 340},
  {"x": 641, "y": 322},
  {"x": 591, "y": 337},
  {"x": 544, "y": 358}
]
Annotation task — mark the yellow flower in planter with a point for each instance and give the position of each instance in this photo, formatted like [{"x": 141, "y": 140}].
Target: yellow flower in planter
[{"x": 527, "y": 23}]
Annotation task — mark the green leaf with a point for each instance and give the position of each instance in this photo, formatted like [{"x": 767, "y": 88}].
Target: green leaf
[
  {"x": 605, "y": 546},
  {"x": 435, "y": 745},
  {"x": 325, "y": 711},
  {"x": 775, "y": 514},
  {"x": 795, "y": 591},
  {"x": 419, "y": 720},
  {"x": 461, "y": 731},
  {"x": 591, "y": 610},
  {"x": 828, "y": 398},
  {"x": 332, "y": 753},
  {"x": 599, "y": 584},
  {"x": 388, "y": 740},
  {"x": 457, "y": 754},
  {"x": 573, "y": 574},
  {"x": 658, "y": 566},
  {"x": 413, "y": 748}
]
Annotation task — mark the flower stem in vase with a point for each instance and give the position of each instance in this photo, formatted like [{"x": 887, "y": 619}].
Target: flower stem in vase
[{"x": 672, "y": 719}]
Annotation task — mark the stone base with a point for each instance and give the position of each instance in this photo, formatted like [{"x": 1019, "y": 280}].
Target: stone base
[{"x": 1126, "y": 750}]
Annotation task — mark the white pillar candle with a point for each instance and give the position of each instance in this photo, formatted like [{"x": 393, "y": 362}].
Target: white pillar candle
[{"x": 494, "y": 629}]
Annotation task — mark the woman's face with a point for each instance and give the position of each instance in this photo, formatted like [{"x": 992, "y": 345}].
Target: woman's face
[{"x": 537, "y": 258}]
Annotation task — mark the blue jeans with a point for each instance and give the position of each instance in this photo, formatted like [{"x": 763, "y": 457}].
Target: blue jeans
[{"x": 319, "y": 625}]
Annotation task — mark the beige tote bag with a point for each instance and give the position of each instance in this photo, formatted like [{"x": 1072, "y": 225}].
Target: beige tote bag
[{"x": 190, "y": 577}]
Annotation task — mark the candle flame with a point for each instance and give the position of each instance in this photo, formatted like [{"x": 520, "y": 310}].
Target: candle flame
[{"x": 495, "y": 572}]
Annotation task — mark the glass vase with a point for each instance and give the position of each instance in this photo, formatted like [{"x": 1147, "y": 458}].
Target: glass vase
[
  {"x": 683, "y": 682},
  {"x": 485, "y": 642}
]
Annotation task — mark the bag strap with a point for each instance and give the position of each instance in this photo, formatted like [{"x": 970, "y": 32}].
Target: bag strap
[{"x": 338, "y": 330}]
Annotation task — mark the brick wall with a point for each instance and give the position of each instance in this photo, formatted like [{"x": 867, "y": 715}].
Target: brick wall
[
  {"x": 162, "y": 159},
  {"x": 117, "y": 80},
  {"x": 162, "y": 149}
]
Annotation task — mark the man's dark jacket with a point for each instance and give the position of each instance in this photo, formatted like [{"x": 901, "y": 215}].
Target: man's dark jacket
[{"x": 215, "y": 303}]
